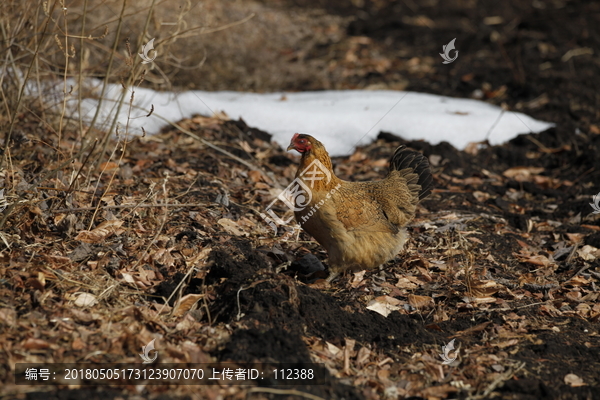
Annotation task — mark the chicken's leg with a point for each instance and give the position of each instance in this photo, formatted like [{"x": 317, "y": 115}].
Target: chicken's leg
[{"x": 332, "y": 276}]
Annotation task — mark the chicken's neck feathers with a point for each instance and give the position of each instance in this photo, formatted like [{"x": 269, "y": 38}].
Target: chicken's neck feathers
[{"x": 317, "y": 163}]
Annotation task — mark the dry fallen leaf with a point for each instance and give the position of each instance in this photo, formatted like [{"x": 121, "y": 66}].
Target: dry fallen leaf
[
  {"x": 583, "y": 310},
  {"x": 382, "y": 162},
  {"x": 420, "y": 301},
  {"x": 363, "y": 356},
  {"x": 231, "y": 226},
  {"x": 475, "y": 329},
  {"x": 358, "y": 278},
  {"x": 108, "y": 166},
  {"x": 588, "y": 253},
  {"x": 255, "y": 175},
  {"x": 507, "y": 343},
  {"x": 573, "y": 380},
  {"x": 357, "y": 156},
  {"x": 334, "y": 351},
  {"x": 35, "y": 344},
  {"x": 481, "y": 196},
  {"x": 384, "y": 305},
  {"x": 472, "y": 148},
  {"x": 577, "y": 281},
  {"x": 405, "y": 283},
  {"x": 8, "y": 316},
  {"x": 522, "y": 174},
  {"x": 537, "y": 259},
  {"x": 480, "y": 300},
  {"x": 451, "y": 216},
  {"x": 103, "y": 231},
  {"x": 214, "y": 121},
  {"x": 574, "y": 296},
  {"x": 184, "y": 304},
  {"x": 484, "y": 288},
  {"x": 187, "y": 322},
  {"x": 85, "y": 300},
  {"x": 164, "y": 256},
  {"x": 38, "y": 282},
  {"x": 78, "y": 344}
]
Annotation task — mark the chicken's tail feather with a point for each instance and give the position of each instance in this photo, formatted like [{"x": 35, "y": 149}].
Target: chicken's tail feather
[{"x": 405, "y": 158}]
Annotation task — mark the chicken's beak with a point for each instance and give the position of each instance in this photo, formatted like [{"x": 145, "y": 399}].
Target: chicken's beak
[{"x": 290, "y": 147}]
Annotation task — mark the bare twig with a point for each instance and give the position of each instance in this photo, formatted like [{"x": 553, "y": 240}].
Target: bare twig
[
  {"x": 109, "y": 67},
  {"x": 80, "y": 77},
  {"x": 125, "y": 206},
  {"x": 500, "y": 379},
  {"x": 15, "y": 113},
  {"x": 186, "y": 33}
]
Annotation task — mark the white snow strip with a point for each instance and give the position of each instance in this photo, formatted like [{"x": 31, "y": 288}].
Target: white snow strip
[{"x": 339, "y": 119}]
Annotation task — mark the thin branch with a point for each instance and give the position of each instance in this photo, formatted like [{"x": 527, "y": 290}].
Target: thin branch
[
  {"x": 185, "y": 33},
  {"x": 125, "y": 206}
]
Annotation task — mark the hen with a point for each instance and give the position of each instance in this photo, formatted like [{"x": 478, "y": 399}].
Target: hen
[{"x": 360, "y": 224}]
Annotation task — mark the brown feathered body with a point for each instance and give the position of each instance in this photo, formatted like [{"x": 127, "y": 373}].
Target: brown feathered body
[{"x": 360, "y": 224}]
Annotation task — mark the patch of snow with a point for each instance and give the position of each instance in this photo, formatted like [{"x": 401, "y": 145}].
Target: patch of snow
[{"x": 339, "y": 119}]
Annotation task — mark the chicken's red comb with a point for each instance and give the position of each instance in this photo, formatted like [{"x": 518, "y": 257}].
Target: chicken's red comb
[{"x": 295, "y": 136}]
